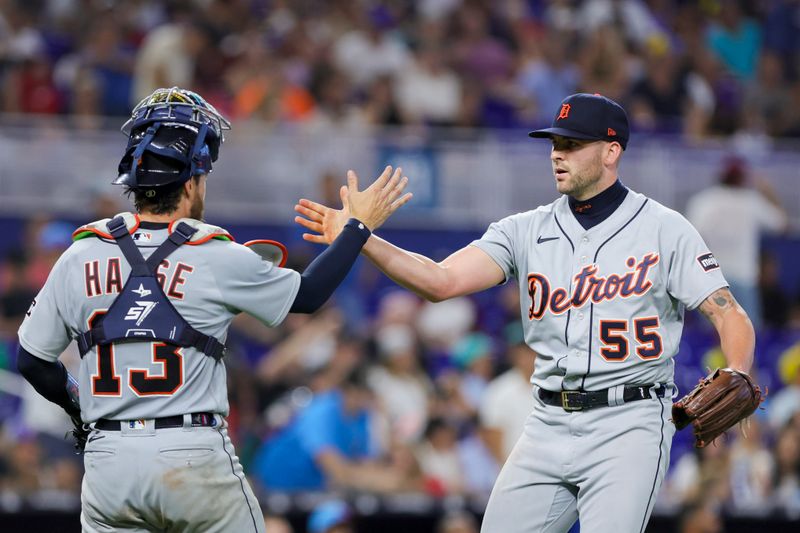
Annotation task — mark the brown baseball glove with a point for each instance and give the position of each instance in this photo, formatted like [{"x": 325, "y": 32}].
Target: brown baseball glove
[{"x": 721, "y": 399}]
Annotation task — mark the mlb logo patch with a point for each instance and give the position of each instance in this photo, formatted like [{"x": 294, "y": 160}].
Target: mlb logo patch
[
  {"x": 708, "y": 261},
  {"x": 143, "y": 236},
  {"x": 136, "y": 424}
]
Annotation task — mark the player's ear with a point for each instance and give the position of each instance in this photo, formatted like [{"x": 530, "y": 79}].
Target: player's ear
[
  {"x": 613, "y": 151},
  {"x": 189, "y": 185}
]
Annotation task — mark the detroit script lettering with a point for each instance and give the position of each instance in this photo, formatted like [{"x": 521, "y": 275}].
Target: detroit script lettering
[{"x": 588, "y": 286}]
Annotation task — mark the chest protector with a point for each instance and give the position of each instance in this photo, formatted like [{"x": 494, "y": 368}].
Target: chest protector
[{"x": 142, "y": 312}]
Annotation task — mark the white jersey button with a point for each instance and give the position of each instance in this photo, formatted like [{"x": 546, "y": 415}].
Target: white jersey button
[
  {"x": 583, "y": 259},
  {"x": 580, "y": 316}
]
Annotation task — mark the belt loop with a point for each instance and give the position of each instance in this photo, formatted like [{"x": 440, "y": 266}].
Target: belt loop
[
  {"x": 654, "y": 390},
  {"x": 187, "y": 422},
  {"x": 616, "y": 395}
]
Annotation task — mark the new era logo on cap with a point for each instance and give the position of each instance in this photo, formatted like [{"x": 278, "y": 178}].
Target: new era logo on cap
[{"x": 590, "y": 117}]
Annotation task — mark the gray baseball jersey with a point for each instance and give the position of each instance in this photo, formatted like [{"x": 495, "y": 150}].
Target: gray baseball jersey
[
  {"x": 603, "y": 307},
  {"x": 208, "y": 283}
]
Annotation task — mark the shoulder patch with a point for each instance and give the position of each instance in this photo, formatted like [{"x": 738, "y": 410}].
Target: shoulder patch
[
  {"x": 708, "y": 262},
  {"x": 98, "y": 228},
  {"x": 205, "y": 232}
]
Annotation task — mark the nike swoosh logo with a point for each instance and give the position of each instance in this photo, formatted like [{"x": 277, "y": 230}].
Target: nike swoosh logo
[
  {"x": 94, "y": 438},
  {"x": 541, "y": 239}
]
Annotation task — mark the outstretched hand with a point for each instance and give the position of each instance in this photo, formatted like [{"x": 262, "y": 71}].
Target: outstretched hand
[{"x": 372, "y": 206}]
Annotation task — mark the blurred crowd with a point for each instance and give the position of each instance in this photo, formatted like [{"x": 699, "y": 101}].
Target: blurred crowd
[{"x": 716, "y": 67}]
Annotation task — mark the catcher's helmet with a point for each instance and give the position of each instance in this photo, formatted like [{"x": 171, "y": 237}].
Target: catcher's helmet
[{"x": 174, "y": 134}]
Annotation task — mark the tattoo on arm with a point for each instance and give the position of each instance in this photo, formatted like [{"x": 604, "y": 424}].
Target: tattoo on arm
[{"x": 718, "y": 303}]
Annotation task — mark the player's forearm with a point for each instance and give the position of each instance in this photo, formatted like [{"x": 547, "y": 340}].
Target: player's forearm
[
  {"x": 413, "y": 271},
  {"x": 328, "y": 270},
  {"x": 51, "y": 380},
  {"x": 737, "y": 339},
  {"x": 736, "y": 334}
]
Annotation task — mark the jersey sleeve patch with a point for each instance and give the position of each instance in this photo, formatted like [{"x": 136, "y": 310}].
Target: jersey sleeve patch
[
  {"x": 205, "y": 232},
  {"x": 708, "y": 262},
  {"x": 100, "y": 229}
]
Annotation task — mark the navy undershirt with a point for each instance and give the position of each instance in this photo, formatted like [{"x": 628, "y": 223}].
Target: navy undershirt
[{"x": 593, "y": 211}]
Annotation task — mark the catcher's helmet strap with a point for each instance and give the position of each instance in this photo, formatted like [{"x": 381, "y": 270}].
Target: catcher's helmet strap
[
  {"x": 139, "y": 151},
  {"x": 201, "y": 162}
]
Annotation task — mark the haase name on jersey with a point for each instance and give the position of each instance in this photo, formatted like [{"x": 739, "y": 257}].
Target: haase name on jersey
[
  {"x": 109, "y": 281},
  {"x": 588, "y": 285}
]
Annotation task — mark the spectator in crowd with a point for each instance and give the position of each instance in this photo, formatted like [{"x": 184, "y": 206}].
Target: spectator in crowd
[
  {"x": 785, "y": 403},
  {"x": 370, "y": 50},
  {"x": 751, "y": 469},
  {"x": 701, "y": 473},
  {"x": 731, "y": 216},
  {"x": 439, "y": 459},
  {"x": 776, "y": 304},
  {"x": 768, "y": 96},
  {"x": 168, "y": 55},
  {"x": 631, "y": 18},
  {"x": 400, "y": 384},
  {"x": 547, "y": 74},
  {"x": 787, "y": 469},
  {"x": 604, "y": 64},
  {"x": 427, "y": 90},
  {"x": 660, "y": 99},
  {"x": 508, "y": 400},
  {"x": 782, "y": 34},
  {"x": 735, "y": 39},
  {"x": 331, "y": 443},
  {"x": 472, "y": 356}
]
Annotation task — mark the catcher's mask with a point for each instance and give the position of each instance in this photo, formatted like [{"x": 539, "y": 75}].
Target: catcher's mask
[{"x": 173, "y": 134}]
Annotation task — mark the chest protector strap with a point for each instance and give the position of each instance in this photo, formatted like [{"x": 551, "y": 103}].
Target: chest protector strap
[{"x": 142, "y": 312}]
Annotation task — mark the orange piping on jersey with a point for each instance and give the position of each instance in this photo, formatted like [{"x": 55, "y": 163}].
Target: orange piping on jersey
[
  {"x": 280, "y": 245},
  {"x": 86, "y": 231},
  {"x": 220, "y": 234}
]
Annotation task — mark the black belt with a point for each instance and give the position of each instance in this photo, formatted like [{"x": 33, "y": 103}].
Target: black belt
[
  {"x": 198, "y": 420},
  {"x": 573, "y": 400}
]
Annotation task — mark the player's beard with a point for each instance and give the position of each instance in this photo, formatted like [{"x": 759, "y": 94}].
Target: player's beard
[{"x": 582, "y": 182}]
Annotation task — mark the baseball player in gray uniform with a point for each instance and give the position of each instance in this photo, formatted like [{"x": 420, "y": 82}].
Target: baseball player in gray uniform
[
  {"x": 149, "y": 298},
  {"x": 605, "y": 276}
]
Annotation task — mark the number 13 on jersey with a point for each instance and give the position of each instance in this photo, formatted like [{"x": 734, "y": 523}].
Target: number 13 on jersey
[{"x": 106, "y": 381}]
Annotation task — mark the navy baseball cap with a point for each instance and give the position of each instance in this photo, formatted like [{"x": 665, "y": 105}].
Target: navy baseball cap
[{"x": 591, "y": 117}]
